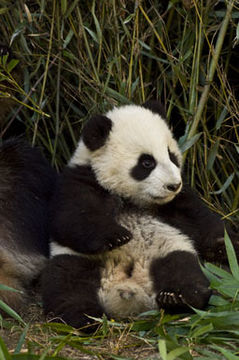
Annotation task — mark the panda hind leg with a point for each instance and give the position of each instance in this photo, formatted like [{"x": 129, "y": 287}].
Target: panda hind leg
[
  {"x": 17, "y": 300},
  {"x": 70, "y": 287},
  {"x": 179, "y": 282},
  {"x": 11, "y": 277}
]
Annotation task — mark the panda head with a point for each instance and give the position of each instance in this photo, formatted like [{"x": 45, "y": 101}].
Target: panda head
[{"x": 133, "y": 154}]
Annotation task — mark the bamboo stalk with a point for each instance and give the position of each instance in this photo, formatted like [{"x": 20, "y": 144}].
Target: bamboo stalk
[{"x": 213, "y": 65}]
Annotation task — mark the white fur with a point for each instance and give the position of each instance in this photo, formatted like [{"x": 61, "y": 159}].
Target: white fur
[
  {"x": 135, "y": 131},
  {"x": 57, "y": 249},
  {"x": 81, "y": 155},
  {"x": 122, "y": 296}
]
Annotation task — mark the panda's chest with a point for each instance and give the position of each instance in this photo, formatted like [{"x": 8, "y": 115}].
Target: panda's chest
[{"x": 151, "y": 238}]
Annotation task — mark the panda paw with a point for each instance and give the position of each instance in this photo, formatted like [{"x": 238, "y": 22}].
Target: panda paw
[
  {"x": 170, "y": 299},
  {"x": 119, "y": 236},
  {"x": 181, "y": 300}
]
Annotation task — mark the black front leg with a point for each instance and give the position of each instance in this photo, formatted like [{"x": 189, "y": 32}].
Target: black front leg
[
  {"x": 84, "y": 214},
  {"x": 69, "y": 290},
  {"x": 215, "y": 251},
  {"x": 179, "y": 282}
]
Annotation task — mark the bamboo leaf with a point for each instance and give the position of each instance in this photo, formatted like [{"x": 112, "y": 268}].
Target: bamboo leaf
[
  {"x": 224, "y": 186},
  {"x": 176, "y": 353},
  {"x": 232, "y": 259},
  {"x": 21, "y": 340},
  {"x": 11, "y": 312},
  {"x": 162, "y": 349},
  {"x": 4, "y": 354},
  {"x": 188, "y": 143},
  {"x": 212, "y": 155}
]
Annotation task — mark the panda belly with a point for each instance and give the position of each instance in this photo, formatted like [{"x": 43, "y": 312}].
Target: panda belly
[{"x": 126, "y": 286}]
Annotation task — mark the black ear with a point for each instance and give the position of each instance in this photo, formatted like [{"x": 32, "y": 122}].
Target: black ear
[
  {"x": 96, "y": 131},
  {"x": 156, "y": 107}
]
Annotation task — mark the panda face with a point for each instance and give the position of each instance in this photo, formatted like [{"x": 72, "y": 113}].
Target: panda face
[{"x": 138, "y": 160}]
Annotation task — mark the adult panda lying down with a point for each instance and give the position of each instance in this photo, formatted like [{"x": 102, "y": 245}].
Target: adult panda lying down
[
  {"x": 26, "y": 185},
  {"x": 126, "y": 232}
]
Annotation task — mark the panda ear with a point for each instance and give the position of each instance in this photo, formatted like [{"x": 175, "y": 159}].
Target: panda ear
[
  {"x": 156, "y": 107},
  {"x": 96, "y": 131}
]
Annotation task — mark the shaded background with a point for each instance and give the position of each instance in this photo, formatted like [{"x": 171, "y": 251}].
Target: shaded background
[{"x": 70, "y": 59}]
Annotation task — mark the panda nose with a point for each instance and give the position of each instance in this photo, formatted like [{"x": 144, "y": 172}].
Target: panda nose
[{"x": 173, "y": 187}]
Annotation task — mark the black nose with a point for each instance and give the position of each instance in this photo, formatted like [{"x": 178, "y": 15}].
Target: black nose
[{"x": 173, "y": 187}]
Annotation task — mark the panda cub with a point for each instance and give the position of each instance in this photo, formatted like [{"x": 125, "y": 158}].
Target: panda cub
[
  {"x": 26, "y": 186},
  {"x": 117, "y": 248}
]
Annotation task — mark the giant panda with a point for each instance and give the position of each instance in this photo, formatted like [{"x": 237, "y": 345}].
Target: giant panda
[
  {"x": 126, "y": 233},
  {"x": 26, "y": 185}
]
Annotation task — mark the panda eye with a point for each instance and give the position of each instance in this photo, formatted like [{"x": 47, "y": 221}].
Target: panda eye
[
  {"x": 147, "y": 161},
  {"x": 148, "y": 164}
]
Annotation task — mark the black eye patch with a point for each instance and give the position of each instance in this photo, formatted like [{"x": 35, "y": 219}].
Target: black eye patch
[
  {"x": 146, "y": 163},
  {"x": 173, "y": 158}
]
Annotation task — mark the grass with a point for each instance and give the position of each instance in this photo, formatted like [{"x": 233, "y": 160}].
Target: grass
[{"x": 70, "y": 59}]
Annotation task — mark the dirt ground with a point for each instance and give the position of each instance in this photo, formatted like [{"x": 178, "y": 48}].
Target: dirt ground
[{"x": 38, "y": 338}]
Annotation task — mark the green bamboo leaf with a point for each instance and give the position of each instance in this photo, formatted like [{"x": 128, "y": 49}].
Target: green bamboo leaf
[
  {"x": 3, "y": 60},
  {"x": 21, "y": 340},
  {"x": 19, "y": 29},
  {"x": 68, "y": 38},
  {"x": 228, "y": 354},
  {"x": 212, "y": 155},
  {"x": 4, "y": 354},
  {"x": 11, "y": 312},
  {"x": 232, "y": 259},
  {"x": 224, "y": 186},
  {"x": 92, "y": 34},
  {"x": 8, "y": 288},
  {"x": 97, "y": 25},
  {"x": 12, "y": 64},
  {"x": 174, "y": 354},
  {"x": 221, "y": 118},
  {"x": 218, "y": 301},
  {"x": 187, "y": 144},
  {"x": 162, "y": 349},
  {"x": 201, "y": 330},
  {"x": 218, "y": 271}
]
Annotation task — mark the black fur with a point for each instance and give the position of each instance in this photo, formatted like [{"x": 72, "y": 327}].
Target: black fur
[
  {"x": 146, "y": 163},
  {"x": 93, "y": 229},
  {"x": 156, "y": 107},
  {"x": 84, "y": 219},
  {"x": 96, "y": 132},
  {"x": 179, "y": 282},
  {"x": 173, "y": 158},
  {"x": 190, "y": 215},
  {"x": 26, "y": 186},
  {"x": 84, "y": 214},
  {"x": 70, "y": 290}
]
